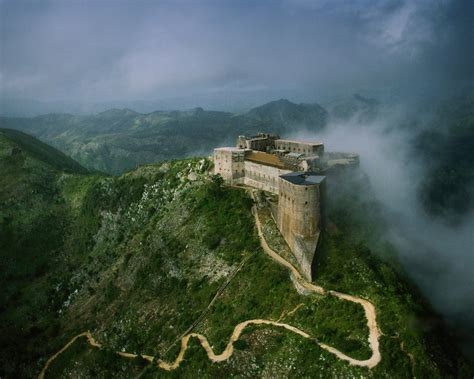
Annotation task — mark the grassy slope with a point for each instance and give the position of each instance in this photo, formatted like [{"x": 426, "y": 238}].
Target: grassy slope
[
  {"x": 41, "y": 151},
  {"x": 135, "y": 259},
  {"x": 32, "y": 214},
  {"x": 34, "y": 218}
]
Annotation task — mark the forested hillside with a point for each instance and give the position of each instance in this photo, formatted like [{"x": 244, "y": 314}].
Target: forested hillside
[{"x": 137, "y": 259}]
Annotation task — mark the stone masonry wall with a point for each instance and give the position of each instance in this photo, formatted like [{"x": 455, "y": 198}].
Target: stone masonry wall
[
  {"x": 299, "y": 217},
  {"x": 300, "y": 147},
  {"x": 263, "y": 177},
  {"x": 229, "y": 163}
]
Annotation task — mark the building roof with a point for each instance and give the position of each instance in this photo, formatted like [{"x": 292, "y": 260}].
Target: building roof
[
  {"x": 303, "y": 178},
  {"x": 264, "y": 158}
]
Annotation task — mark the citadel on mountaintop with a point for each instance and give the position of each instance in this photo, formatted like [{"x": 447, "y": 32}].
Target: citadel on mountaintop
[{"x": 292, "y": 171}]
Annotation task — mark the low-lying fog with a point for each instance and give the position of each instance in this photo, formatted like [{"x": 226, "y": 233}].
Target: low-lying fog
[{"x": 438, "y": 256}]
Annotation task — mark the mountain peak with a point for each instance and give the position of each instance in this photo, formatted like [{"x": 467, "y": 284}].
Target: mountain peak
[{"x": 283, "y": 111}]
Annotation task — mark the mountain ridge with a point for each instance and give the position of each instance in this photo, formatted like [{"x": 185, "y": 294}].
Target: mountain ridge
[
  {"x": 24, "y": 143},
  {"x": 108, "y": 141}
]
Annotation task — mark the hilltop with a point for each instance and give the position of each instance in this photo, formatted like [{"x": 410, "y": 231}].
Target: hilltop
[{"x": 138, "y": 259}]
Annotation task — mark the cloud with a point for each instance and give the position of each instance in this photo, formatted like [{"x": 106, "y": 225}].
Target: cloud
[
  {"x": 437, "y": 256},
  {"x": 141, "y": 49}
]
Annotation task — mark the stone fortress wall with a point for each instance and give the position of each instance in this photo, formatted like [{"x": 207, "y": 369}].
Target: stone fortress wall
[
  {"x": 263, "y": 177},
  {"x": 229, "y": 162},
  {"x": 260, "y": 142},
  {"x": 306, "y": 148},
  {"x": 299, "y": 215},
  {"x": 290, "y": 169}
]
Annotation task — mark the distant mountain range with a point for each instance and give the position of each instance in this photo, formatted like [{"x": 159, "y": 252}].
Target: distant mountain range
[
  {"x": 229, "y": 101},
  {"x": 118, "y": 140}
]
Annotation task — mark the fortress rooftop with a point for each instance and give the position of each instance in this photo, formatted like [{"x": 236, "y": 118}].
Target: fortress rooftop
[
  {"x": 265, "y": 159},
  {"x": 303, "y": 178}
]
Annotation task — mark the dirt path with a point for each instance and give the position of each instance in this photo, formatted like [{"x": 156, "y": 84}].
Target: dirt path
[
  {"x": 207, "y": 309},
  {"x": 90, "y": 340},
  {"x": 369, "y": 309}
]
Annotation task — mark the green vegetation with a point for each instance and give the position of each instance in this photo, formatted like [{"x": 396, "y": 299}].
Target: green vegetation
[
  {"x": 41, "y": 151},
  {"x": 136, "y": 259}
]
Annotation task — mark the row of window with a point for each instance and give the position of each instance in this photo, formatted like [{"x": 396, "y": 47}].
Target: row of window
[{"x": 294, "y": 149}]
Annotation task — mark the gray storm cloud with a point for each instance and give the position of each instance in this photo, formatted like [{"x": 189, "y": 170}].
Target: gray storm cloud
[{"x": 125, "y": 50}]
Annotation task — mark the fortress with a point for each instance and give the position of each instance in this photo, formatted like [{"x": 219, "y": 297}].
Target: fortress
[{"x": 293, "y": 171}]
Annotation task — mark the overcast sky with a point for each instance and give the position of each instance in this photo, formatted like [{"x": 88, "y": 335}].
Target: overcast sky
[{"x": 125, "y": 50}]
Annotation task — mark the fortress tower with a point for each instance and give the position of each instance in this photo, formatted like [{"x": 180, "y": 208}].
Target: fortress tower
[
  {"x": 299, "y": 215},
  {"x": 229, "y": 163}
]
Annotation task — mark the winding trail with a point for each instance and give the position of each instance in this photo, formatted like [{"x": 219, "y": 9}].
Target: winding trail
[
  {"x": 369, "y": 308},
  {"x": 298, "y": 280}
]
